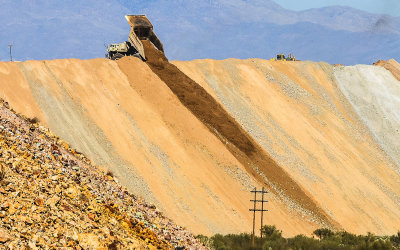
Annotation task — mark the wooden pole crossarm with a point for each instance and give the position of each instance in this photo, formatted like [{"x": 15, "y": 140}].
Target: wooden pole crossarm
[{"x": 259, "y": 191}]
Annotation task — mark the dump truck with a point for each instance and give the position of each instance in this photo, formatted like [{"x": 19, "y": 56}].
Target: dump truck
[
  {"x": 119, "y": 50},
  {"x": 141, "y": 29}
]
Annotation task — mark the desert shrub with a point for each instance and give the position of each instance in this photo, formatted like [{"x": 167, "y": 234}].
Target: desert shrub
[
  {"x": 348, "y": 238},
  {"x": 273, "y": 240},
  {"x": 377, "y": 244},
  {"x": 203, "y": 239},
  {"x": 331, "y": 245},
  {"x": 395, "y": 239},
  {"x": 219, "y": 241},
  {"x": 323, "y": 233},
  {"x": 302, "y": 242},
  {"x": 234, "y": 242},
  {"x": 271, "y": 233},
  {"x": 276, "y": 244},
  {"x": 382, "y": 244}
]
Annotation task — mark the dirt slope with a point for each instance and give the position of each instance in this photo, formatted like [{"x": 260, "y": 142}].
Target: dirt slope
[
  {"x": 391, "y": 65},
  {"x": 256, "y": 161},
  {"x": 374, "y": 93},
  {"x": 133, "y": 124},
  {"x": 299, "y": 115},
  {"x": 196, "y": 151}
]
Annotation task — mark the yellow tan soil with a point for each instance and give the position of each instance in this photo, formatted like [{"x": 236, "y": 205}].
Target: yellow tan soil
[
  {"x": 140, "y": 130},
  {"x": 391, "y": 65},
  {"x": 296, "y": 111},
  {"x": 124, "y": 117}
]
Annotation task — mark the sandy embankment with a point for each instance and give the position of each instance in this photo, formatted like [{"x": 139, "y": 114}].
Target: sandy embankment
[
  {"x": 375, "y": 95},
  {"x": 242, "y": 146},
  {"x": 298, "y": 113},
  {"x": 391, "y": 65},
  {"x": 133, "y": 124},
  {"x": 124, "y": 117}
]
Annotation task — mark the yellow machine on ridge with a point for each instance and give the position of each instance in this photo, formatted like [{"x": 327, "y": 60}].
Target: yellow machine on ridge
[{"x": 281, "y": 57}]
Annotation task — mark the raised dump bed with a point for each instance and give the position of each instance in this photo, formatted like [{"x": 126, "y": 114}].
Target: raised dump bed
[{"x": 141, "y": 29}]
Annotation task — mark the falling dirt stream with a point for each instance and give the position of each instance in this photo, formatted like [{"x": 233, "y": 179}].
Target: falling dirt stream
[{"x": 229, "y": 131}]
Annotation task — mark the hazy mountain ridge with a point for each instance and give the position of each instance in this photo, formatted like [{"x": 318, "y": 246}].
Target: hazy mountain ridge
[
  {"x": 63, "y": 29},
  {"x": 199, "y": 29},
  {"x": 346, "y": 18}
]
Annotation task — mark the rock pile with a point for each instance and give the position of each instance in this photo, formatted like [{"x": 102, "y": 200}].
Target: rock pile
[{"x": 52, "y": 196}]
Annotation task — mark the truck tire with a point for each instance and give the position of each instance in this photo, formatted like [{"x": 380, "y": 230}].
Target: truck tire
[{"x": 117, "y": 56}]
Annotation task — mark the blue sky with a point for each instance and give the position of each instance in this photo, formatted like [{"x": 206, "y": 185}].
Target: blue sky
[
  {"x": 390, "y": 7},
  {"x": 200, "y": 31}
]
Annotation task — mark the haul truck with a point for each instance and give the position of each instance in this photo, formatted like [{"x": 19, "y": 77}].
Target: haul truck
[{"x": 141, "y": 29}]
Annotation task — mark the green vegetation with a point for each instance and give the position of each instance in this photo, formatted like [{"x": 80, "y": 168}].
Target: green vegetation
[{"x": 324, "y": 239}]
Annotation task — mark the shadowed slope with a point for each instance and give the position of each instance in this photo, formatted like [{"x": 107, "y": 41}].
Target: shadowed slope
[
  {"x": 224, "y": 126},
  {"x": 176, "y": 144},
  {"x": 126, "y": 119},
  {"x": 298, "y": 114}
]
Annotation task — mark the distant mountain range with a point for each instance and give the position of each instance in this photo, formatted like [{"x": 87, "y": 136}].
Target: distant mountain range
[{"x": 193, "y": 29}]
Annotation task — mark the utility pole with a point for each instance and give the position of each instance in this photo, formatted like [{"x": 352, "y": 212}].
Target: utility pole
[
  {"x": 254, "y": 214},
  {"x": 254, "y": 210},
  {"x": 10, "y": 46},
  {"x": 262, "y": 210}
]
